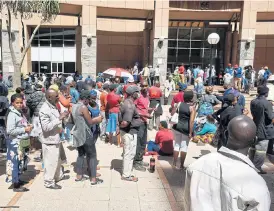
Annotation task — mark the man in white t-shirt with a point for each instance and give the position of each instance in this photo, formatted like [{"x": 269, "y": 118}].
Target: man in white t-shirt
[
  {"x": 135, "y": 72},
  {"x": 157, "y": 73},
  {"x": 261, "y": 76}
]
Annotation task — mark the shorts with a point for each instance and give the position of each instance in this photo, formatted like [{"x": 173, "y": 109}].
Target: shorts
[{"x": 181, "y": 141}]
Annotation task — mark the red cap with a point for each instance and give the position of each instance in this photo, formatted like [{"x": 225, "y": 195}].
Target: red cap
[{"x": 236, "y": 66}]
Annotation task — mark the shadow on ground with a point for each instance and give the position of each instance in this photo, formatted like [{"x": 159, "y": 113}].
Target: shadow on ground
[
  {"x": 3, "y": 159},
  {"x": 117, "y": 165}
]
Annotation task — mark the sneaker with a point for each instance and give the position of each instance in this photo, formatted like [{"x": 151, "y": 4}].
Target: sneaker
[
  {"x": 139, "y": 168},
  {"x": 55, "y": 187}
]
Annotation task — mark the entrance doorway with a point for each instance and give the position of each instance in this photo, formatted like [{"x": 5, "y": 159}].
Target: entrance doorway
[{"x": 57, "y": 68}]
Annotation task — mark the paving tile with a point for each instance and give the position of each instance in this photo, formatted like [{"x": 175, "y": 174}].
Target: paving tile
[
  {"x": 155, "y": 206},
  {"x": 124, "y": 194},
  {"x": 93, "y": 205},
  {"x": 146, "y": 174},
  {"x": 152, "y": 195},
  {"x": 150, "y": 183},
  {"x": 132, "y": 205},
  {"x": 95, "y": 193}
]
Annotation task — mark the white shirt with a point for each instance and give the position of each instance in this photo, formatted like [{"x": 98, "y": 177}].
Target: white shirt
[
  {"x": 135, "y": 70},
  {"x": 188, "y": 72},
  {"x": 225, "y": 181},
  {"x": 261, "y": 73},
  {"x": 157, "y": 71}
]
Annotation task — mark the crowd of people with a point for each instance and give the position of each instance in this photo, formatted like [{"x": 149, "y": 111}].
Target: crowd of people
[{"x": 82, "y": 111}]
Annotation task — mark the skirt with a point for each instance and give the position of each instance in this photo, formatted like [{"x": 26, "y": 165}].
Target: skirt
[{"x": 112, "y": 123}]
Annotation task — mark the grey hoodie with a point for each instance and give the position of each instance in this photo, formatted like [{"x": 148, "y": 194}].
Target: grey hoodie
[{"x": 16, "y": 124}]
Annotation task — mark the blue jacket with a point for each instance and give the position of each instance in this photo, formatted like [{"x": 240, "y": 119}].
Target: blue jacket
[
  {"x": 229, "y": 70},
  {"x": 238, "y": 72},
  {"x": 207, "y": 128},
  {"x": 267, "y": 74}
]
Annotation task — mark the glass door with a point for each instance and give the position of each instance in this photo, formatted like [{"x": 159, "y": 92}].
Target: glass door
[{"x": 57, "y": 68}]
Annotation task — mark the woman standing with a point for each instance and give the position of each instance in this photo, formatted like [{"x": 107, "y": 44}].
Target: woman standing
[
  {"x": 18, "y": 141},
  {"x": 183, "y": 130},
  {"x": 83, "y": 138}
]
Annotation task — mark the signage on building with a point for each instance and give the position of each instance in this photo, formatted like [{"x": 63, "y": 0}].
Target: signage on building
[{"x": 204, "y": 5}]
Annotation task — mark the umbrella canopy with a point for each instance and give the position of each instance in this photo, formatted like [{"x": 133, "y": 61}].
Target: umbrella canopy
[{"x": 117, "y": 72}]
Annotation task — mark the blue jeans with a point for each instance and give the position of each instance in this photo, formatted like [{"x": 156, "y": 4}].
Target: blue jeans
[
  {"x": 153, "y": 147},
  {"x": 135, "y": 77}
]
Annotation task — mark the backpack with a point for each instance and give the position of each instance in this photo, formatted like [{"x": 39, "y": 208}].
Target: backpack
[
  {"x": 205, "y": 108},
  {"x": 248, "y": 74}
]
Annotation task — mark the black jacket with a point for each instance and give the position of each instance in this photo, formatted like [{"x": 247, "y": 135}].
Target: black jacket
[{"x": 261, "y": 110}]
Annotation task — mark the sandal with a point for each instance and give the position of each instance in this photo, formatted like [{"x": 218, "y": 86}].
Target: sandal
[
  {"x": 81, "y": 179},
  {"x": 98, "y": 181},
  {"x": 98, "y": 175},
  {"x": 130, "y": 179}
]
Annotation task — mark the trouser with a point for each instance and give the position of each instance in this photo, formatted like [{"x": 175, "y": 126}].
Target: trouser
[
  {"x": 270, "y": 147},
  {"x": 88, "y": 150},
  {"x": 189, "y": 80},
  {"x": 63, "y": 156},
  {"x": 151, "y": 81},
  {"x": 237, "y": 83},
  {"x": 141, "y": 143},
  {"x": 157, "y": 78},
  {"x": 153, "y": 147},
  {"x": 154, "y": 120},
  {"x": 166, "y": 100},
  {"x": 260, "y": 153},
  {"x": 52, "y": 164},
  {"x": 130, "y": 142},
  {"x": 103, "y": 124},
  {"x": 247, "y": 85}
]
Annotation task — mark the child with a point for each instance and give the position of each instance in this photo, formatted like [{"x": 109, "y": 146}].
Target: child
[
  {"x": 163, "y": 141},
  {"x": 207, "y": 132},
  {"x": 18, "y": 142}
]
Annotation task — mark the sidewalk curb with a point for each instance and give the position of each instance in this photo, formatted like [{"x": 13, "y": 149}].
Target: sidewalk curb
[{"x": 169, "y": 193}]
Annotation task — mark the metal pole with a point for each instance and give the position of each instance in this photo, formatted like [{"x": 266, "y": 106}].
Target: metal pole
[{"x": 210, "y": 70}]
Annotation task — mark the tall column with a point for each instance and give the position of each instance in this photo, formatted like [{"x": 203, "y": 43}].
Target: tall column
[
  {"x": 246, "y": 43},
  {"x": 160, "y": 42},
  {"x": 235, "y": 38},
  {"x": 228, "y": 44},
  {"x": 89, "y": 46},
  {"x": 78, "y": 41}
]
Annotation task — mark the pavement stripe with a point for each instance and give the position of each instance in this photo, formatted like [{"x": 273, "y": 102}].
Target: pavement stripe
[
  {"x": 169, "y": 193},
  {"x": 17, "y": 196}
]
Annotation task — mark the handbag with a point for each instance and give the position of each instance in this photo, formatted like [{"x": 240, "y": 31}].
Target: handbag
[
  {"x": 24, "y": 143},
  {"x": 175, "y": 117}
]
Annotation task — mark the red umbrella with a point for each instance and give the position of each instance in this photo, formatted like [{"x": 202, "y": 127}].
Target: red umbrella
[{"x": 117, "y": 72}]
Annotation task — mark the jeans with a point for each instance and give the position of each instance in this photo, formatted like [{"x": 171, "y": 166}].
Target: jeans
[
  {"x": 88, "y": 150},
  {"x": 155, "y": 120},
  {"x": 130, "y": 142},
  {"x": 141, "y": 143},
  {"x": 260, "y": 153},
  {"x": 153, "y": 147}
]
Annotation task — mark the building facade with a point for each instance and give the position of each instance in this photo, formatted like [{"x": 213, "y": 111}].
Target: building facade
[{"x": 91, "y": 36}]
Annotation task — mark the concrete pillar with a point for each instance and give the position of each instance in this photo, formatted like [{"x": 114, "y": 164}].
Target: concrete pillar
[
  {"x": 160, "y": 27},
  {"x": 235, "y": 38},
  {"x": 89, "y": 46},
  {"x": 247, "y": 33},
  {"x": 147, "y": 44},
  {"x": 78, "y": 42},
  {"x": 228, "y": 45}
]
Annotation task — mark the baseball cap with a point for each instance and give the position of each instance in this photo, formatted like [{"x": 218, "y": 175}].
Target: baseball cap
[
  {"x": 132, "y": 89},
  {"x": 93, "y": 93}
]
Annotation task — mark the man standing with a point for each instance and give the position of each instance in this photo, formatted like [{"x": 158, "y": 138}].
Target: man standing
[
  {"x": 135, "y": 72},
  {"x": 227, "y": 180},
  {"x": 229, "y": 70},
  {"x": 182, "y": 73},
  {"x": 261, "y": 76},
  {"x": 51, "y": 122},
  {"x": 261, "y": 110},
  {"x": 145, "y": 72},
  {"x": 155, "y": 94},
  {"x": 103, "y": 100},
  {"x": 237, "y": 77},
  {"x": 129, "y": 126},
  {"x": 142, "y": 104},
  {"x": 157, "y": 73}
]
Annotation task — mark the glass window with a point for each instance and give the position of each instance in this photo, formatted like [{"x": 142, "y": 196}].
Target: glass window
[
  {"x": 69, "y": 34},
  {"x": 196, "y": 55},
  {"x": 35, "y": 66},
  {"x": 197, "y": 34},
  {"x": 44, "y": 42},
  {"x": 44, "y": 33},
  {"x": 57, "y": 33},
  {"x": 196, "y": 44},
  {"x": 172, "y": 43},
  {"x": 69, "y": 43},
  {"x": 34, "y": 43},
  {"x": 171, "y": 55},
  {"x": 60, "y": 67},
  {"x": 208, "y": 31},
  {"x": 184, "y": 34},
  {"x": 57, "y": 43},
  {"x": 54, "y": 67},
  {"x": 69, "y": 67},
  {"x": 45, "y": 67},
  {"x": 183, "y": 55},
  {"x": 172, "y": 33},
  {"x": 184, "y": 44}
]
